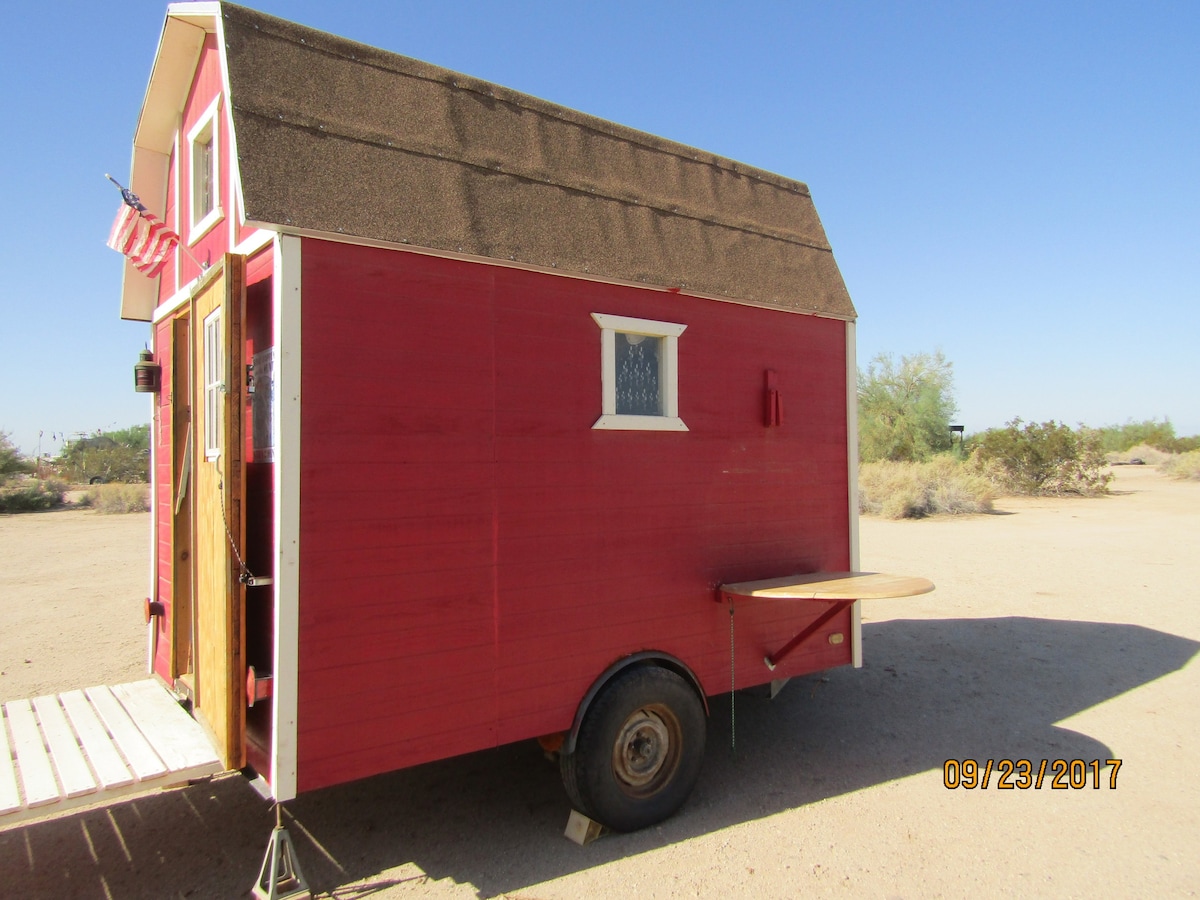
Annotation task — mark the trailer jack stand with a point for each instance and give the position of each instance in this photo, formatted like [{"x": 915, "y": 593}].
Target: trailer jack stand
[{"x": 280, "y": 877}]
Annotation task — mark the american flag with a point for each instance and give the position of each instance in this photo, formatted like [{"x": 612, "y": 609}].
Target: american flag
[{"x": 141, "y": 235}]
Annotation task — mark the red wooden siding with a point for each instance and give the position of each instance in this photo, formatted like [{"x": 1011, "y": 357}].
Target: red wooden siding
[
  {"x": 206, "y": 86},
  {"x": 163, "y": 502},
  {"x": 474, "y": 554},
  {"x": 167, "y": 285}
]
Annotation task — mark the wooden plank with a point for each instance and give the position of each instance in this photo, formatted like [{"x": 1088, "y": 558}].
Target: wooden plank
[
  {"x": 101, "y": 751},
  {"x": 73, "y": 772},
  {"x": 219, "y": 625},
  {"x": 177, "y": 738},
  {"x": 37, "y": 775},
  {"x": 10, "y": 797},
  {"x": 143, "y": 761},
  {"x": 831, "y": 586}
]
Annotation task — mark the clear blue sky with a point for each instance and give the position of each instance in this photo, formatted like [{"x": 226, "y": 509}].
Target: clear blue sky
[{"x": 1015, "y": 184}]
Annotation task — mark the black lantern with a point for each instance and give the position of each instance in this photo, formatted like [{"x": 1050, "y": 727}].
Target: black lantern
[{"x": 147, "y": 374}]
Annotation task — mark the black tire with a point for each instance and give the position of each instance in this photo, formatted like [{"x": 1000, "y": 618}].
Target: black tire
[
  {"x": 639, "y": 749},
  {"x": 97, "y": 479}
]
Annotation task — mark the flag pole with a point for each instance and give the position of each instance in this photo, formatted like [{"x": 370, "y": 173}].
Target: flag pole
[{"x": 125, "y": 192}]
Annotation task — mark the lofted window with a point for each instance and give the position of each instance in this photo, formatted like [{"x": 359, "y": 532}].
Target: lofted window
[
  {"x": 639, "y": 374},
  {"x": 203, "y": 166}
]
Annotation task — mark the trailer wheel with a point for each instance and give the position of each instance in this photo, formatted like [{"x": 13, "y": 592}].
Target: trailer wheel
[{"x": 639, "y": 749}]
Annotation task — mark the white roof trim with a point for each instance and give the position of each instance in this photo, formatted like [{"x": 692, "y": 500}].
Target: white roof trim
[{"x": 179, "y": 48}]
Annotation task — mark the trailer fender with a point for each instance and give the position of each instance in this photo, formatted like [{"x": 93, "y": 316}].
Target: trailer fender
[{"x": 645, "y": 658}]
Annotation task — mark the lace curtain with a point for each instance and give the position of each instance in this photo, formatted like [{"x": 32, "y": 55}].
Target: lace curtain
[{"x": 638, "y": 389}]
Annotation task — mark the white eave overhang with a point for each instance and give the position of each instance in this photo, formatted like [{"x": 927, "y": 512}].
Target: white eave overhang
[{"x": 179, "y": 49}]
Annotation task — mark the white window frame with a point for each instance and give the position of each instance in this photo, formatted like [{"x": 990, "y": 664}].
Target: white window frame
[
  {"x": 214, "y": 385},
  {"x": 610, "y": 327},
  {"x": 205, "y": 131}
]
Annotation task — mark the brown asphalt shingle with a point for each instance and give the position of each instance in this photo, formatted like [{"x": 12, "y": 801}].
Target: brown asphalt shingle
[{"x": 335, "y": 136}]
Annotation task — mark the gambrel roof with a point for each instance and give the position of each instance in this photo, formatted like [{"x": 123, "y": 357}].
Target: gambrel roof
[{"x": 336, "y": 137}]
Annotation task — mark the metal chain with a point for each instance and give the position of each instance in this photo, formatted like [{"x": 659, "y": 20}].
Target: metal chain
[{"x": 247, "y": 576}]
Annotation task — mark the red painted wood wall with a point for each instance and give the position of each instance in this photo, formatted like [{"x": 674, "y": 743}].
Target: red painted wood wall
[
  {"x": 163, "y": 503},
  {"x": 206, "y": 86},
  {"x": 474, "y": 554}
]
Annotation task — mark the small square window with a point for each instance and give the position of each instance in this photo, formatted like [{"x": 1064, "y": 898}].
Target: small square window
[{"x": 639, "y": 372}]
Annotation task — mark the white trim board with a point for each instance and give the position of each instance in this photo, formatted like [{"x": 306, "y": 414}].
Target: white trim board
[
  {"x": 286, "y": 416},
  {"x": 852, "y": 484}
]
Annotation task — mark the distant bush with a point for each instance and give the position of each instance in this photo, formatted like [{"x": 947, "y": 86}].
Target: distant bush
[
  {"x": 1185, "y": 444},
  {"x": 1149, "y": 433},
  {"x": 906, "y": 490},
  {"x": 117, "y": 498},
  {"x": 25, "y": 494},
  {"x": 1185, "y": 467},
  {"x": 1046, "y": 458},
  {"x": 1150, "y": 456}
]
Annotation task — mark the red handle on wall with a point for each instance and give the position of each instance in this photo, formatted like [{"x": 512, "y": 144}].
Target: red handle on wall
[{"x": 772, "y": 400}]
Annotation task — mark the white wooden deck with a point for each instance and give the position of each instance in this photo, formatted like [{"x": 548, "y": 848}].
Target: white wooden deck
[{"x": 63, "y": 751}]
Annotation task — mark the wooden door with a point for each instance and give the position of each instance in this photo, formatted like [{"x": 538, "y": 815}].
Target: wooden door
[
  {"x": 182, "y": 601},
  {"x": 218, "y": 476}
]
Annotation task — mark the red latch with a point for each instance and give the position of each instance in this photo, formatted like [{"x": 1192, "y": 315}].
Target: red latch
[
  {"x": 154, "y": 608},
  {"x": 258, "y": 687}
]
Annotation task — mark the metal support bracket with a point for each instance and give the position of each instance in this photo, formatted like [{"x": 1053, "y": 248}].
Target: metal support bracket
[{"x": 834, "y": 608}]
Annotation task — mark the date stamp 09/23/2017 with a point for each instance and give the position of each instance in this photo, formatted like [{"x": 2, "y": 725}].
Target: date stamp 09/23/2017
[{"x": 1023, "y": 774}]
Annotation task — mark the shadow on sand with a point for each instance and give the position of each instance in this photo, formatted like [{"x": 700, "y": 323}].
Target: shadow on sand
[{"x": 932, "y": 690}]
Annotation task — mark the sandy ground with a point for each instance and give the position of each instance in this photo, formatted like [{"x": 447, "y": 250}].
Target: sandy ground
[{"x": 1061, "y": 629}]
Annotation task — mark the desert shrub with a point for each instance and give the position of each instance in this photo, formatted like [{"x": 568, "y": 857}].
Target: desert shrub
[
  {"x": 1185, "y": 467},
  {"x": 1046, "y": 458},
  {"x": 117, "y": 498},
  {"x": 906, "y": 490},
  {"x": 25, "y": 494},
  {"x": 1151, "y": 456}
]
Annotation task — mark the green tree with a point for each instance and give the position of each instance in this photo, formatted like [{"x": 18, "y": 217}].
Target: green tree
[
  {"x": 117, "y": 456},
  {"x": 135, "y": 437},
  {"x": 11, "y": 461},
  {"x": 905, "y": 408}
]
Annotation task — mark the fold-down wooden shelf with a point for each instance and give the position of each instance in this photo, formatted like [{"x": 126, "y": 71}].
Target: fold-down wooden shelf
[
  {"x": 839, "y": 589},
  {"x": 829, "y": 586}
]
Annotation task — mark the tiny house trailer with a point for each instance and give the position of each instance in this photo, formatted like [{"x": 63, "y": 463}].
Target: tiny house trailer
[{"x": 478, "y": 420}]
